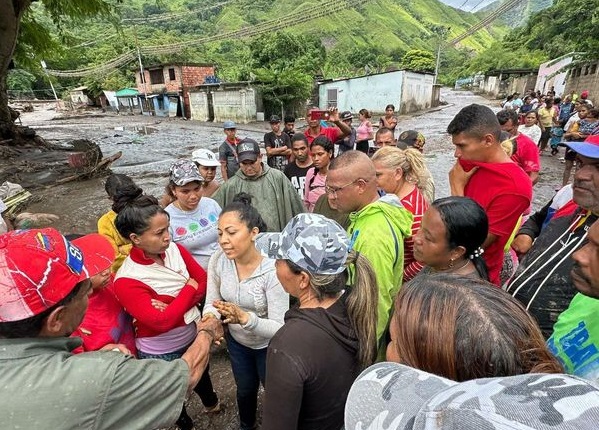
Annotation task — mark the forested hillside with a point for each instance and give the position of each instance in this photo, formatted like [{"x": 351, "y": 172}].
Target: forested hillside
[{"x": 358, "y": 36}]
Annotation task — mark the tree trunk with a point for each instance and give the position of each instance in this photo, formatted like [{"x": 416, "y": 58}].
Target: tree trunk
[{"x": 10, "y": 18}]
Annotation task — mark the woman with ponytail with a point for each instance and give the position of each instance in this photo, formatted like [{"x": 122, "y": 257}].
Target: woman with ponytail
[
  {"x": 451, "y": 237},
  {"x": 120, "y": 189},
  {"x": 403, "y": 173},
  {"x": 330, "y": 337},
  {"x": 160, "y": 285}
]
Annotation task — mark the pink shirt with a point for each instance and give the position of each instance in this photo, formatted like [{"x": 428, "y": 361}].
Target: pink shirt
[
  {"x": 313, "y": 188},
  {"x": 364, "y": 131}
]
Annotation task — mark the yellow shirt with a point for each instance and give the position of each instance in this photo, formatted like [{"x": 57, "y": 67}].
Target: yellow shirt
[
  {"x": 546, "y": 116},
  {"x": 121, "y": 246}
]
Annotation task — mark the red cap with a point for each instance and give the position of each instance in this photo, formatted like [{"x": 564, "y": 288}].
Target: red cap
[{"x": 39, "y": 268}]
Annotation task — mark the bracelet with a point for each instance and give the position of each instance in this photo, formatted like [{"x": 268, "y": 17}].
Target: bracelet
[{"x": 210, "y": 332}]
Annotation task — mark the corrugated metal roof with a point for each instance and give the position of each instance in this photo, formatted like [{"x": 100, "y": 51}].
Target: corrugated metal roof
[{"x": 127, "y": 92}]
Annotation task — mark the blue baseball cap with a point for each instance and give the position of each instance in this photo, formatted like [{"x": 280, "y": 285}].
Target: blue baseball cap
[
  {"x": 229, "y": 124},
  {"x": 589, "y": 148}
]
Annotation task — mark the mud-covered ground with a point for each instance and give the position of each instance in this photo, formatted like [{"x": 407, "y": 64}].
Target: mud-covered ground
[{"x": 151, "y": 144}]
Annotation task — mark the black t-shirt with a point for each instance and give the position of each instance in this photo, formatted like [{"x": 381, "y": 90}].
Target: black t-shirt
[
  {"x": 271, "y": 140},
  {"x": 297, "y": 176}
]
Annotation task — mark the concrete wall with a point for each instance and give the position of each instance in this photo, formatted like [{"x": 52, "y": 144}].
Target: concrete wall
[
  {"x": 372, "y": 92},
  {"x": 521, "y": 84},
  {"x": 416, "y": 92},
  {"x": 490, "y": 85},
  {"x": 236, "y": 105},
  {"x": 584, "y": 78},
  {"x": 548, "y": 76},
  {"x": 198, "y": 106},
  {"x": 239, "y": 105}
]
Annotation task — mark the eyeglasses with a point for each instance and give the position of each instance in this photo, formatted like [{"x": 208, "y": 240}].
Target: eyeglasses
[{"x": 333, "y": 191}]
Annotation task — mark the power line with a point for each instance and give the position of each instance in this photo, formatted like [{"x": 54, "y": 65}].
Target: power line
[
  {"x": 476, "y": 5},
  {"x": 172, "y": 15},
  {"x": 509, "y": 4},
  {"x": 463, "y": 4},
  {"x": 290, "y": 20}
]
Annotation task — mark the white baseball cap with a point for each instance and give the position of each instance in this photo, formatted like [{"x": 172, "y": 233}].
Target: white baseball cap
[{"x": 205, "y": 157}]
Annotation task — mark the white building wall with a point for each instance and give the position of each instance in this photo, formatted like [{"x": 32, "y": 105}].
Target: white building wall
[
  {"x": 416, "y": 92},
  {"x": 548, "y": 76},
  {"x": 372, "y": 92},
  {"x": 198, "y": 105},
  {"x": 236, "y": 105}
]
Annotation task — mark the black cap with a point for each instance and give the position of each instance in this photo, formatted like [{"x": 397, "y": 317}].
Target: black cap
[
  {"x": 345, "y": 115},
  {"x": 408, "y": 139},
  {"x": 274, "y": 119},
  {"x": 248, "y": 149}
]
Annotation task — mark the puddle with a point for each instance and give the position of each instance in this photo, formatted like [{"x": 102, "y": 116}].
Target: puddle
[{"x": 142, "y": 130}]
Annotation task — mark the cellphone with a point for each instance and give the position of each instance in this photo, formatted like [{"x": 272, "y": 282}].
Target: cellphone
[{"x": 320, "y": 114}]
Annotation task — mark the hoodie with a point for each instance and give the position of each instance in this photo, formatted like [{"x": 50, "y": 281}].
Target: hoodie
[
  {"x": 378, "y": 231},
  {"x": 311, "y": 364},
  {"x": 273, "y": 194}
]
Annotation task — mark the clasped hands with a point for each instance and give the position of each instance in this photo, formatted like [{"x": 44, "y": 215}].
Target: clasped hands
[{"x": 232, "y": 313}]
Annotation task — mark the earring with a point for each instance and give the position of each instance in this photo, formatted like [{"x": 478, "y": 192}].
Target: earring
[{"x": 451, "y": 260}]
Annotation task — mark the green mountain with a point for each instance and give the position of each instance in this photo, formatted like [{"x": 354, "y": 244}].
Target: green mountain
[
  {"x": 520, "y": 14},
  {"x": 357, "y": 34}
]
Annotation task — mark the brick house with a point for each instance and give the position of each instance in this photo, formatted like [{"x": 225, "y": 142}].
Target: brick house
[{"x": 173, "y": 80}]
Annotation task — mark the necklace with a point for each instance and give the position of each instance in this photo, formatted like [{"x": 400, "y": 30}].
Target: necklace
[{"x": 454, "y": 269}]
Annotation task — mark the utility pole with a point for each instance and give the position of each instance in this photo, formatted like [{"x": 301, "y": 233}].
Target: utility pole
[
  {"x": 43, "y": 63},
  {"x": 437, "y": 63},
  {"x": 141, "y": 67}
]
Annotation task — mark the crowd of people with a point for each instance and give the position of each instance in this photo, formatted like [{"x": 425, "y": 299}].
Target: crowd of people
[{"x": 336, "y": 278}]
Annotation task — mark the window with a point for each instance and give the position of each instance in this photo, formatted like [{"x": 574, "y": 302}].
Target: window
[
  {"x": 593, "y": 69},
  {"x": 156, "y": 77},
  {"x": 586, "y": 70},
  {"x": 171, "y": 74},
  {"x": 332, "y": 97}
]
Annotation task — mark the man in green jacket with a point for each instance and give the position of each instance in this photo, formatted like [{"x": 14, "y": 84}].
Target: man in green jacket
[
  {"x": 274, "y": 196},
  {"x": 378, "y": 225}
]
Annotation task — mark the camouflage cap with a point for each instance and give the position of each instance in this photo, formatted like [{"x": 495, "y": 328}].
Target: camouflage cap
[
  {"x": 314, "y": 242},
  {"x": 183, "y": 172},
  {"x": 394, "y": 396}
]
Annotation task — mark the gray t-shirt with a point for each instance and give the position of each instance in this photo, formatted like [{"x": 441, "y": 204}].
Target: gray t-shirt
[{"x": 196, "y": 230}]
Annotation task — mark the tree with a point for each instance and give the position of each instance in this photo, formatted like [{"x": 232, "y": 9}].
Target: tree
[
  {"x": 419, "y": 60},
  {"x": 285, "y": 65},
  {"x": 14, "y": 13}
]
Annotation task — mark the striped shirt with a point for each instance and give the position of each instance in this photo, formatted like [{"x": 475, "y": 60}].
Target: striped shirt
[{"x": 417, "y": 205}]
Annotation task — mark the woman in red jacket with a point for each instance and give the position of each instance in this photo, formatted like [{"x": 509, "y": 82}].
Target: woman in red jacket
[{"x": 161, "y": 285}]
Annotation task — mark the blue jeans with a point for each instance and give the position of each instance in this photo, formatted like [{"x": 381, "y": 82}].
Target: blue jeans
[{"x": 249, "y": 369}]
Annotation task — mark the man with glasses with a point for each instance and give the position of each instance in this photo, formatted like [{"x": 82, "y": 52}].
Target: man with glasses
[
  {"x": 378, "y": 225},
  {"x": 272, "y": 193}
]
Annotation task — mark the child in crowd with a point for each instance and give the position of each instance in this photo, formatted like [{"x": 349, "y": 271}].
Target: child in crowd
[
  {"x": 106, "y": 326},
  {"x": 530, "y": 127},
  {"x": 118, "y": 187}
]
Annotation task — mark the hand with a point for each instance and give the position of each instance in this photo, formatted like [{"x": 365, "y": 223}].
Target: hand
[
  {"x": 112, "y": 346},
  {"x": 193, "y": 283},
  {"x": 333, "y": 114},
  {"x": 161, "y": 306},
  {"x": 458, "y": 178},
  {"x": 522, "y": 244},
  {"x": 214, "y": 327},
  {"x": 233, "y": 314},
  {"x": 207, "y": 316}
]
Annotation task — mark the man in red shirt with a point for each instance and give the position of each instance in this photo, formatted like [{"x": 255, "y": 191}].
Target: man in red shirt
[
  {"x": 486, "y": 174},
  {"x": 333, "y": 133},
  {"x": 526, "y": 153}
]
